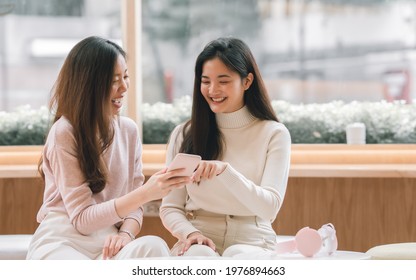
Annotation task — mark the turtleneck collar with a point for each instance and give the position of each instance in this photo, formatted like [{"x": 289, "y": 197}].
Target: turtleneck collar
[{"x": 237, "y": 119}]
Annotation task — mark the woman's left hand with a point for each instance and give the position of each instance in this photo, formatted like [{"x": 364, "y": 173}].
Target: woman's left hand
[
  {"x": 113, "y": 244},
  {"x": 208, "y": 169}
]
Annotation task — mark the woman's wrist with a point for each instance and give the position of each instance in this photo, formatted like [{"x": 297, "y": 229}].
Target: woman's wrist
[
  {"x": 193, "y": 234},
  {"x": 128, "y": 233}
]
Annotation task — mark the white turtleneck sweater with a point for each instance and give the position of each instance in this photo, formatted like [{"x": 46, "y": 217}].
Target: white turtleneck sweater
[{"x": 253, "y": 183}]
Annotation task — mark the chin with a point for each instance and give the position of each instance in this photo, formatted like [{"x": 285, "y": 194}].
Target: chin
[
  {"x": 216, "y": 109},
  {"x": 116, "y": 112}
]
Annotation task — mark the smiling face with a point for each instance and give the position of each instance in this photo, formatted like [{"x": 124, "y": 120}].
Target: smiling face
[
  {"x": 119, "y": 85},
  {"x": 223, "y": 88}
]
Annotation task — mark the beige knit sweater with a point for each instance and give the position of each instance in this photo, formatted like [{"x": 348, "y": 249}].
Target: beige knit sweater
[{"x": 254, "y": 182}]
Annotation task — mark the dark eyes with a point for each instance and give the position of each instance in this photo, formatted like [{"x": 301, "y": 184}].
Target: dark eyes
[
  {"x": 221, "y": 82},
  {"x": 118, "y": 80}
]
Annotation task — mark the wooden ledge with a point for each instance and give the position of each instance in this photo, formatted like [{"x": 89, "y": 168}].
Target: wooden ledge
[
  {"x": 314, "y": 160},
  {"x": 353, "y": 170},
  {"x": 296, "y": 170}
]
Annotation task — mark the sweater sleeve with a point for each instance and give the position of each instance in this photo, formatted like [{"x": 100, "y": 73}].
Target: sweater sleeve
[
  {"x": 263, "y": 200},
  {"x": 172, "y": 209},
  {"x": 138, "y": 177}
]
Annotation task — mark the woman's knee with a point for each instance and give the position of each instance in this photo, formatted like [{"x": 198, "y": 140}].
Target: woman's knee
[
  {"x": 241, "y": 249},
  {"x": 200, "y": 250},
  {"x": 146, "y": 246}
]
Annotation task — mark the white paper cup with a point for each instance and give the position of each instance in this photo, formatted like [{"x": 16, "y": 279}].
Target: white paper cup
[{"x": 355, "y": 134}]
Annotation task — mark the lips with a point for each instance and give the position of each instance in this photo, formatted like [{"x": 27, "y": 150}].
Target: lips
[
  {"x": 218, "y": 99},
  {"x": 117, "y": 101}
]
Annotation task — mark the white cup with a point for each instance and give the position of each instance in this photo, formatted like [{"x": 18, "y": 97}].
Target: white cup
[{"x": 355, "y": 133}]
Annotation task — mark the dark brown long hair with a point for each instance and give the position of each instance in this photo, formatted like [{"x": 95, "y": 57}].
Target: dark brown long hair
[
  {"x": 201, "y": 133},
  {"x": 82, "y": 94}
]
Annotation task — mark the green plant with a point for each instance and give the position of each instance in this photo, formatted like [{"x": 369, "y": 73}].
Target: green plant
[
  {"x": 24, "y": 126},
  {"x": 308, "y": 123}
]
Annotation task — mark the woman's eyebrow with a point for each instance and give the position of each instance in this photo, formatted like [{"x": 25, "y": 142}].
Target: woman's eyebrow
[
  {"x": 219, "y": 76},
  {"x": 116, "y": 75}
]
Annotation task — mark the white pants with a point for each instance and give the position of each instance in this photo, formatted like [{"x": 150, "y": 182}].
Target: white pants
[
  {"x": 232, "y": 235},
  {"x": 56, "y": 238}
]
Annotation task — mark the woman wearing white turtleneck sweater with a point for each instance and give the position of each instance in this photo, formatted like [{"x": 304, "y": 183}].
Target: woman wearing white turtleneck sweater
[{"x": 239, "y": 186}]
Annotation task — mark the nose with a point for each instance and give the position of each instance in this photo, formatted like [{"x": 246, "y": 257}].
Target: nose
[
  {"x": 212, "y": 88},
  {"x": 124, "y": 85}
]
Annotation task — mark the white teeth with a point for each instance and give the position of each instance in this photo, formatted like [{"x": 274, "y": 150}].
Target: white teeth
[
  {"x": 218, "y": 99},
  {"x": 117, "y": 100}
]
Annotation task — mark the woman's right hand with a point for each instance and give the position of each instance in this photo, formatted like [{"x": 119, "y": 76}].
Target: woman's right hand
[
  {"x": 163, "y": 181},
  {"x": 196, "y": 238}
]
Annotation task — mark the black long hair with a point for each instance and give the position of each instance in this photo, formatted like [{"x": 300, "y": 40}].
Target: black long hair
[{"x": 201, "y": 133}]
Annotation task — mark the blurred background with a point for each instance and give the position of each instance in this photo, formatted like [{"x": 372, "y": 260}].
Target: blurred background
[{"x": 309, "y": 51}]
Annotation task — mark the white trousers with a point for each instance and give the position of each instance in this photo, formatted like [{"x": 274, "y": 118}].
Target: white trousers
[
  {"x": 232, "y": 235},
  {"x": 57, "y": 239}
]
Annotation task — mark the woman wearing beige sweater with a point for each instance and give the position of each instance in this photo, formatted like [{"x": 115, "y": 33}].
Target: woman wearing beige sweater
[{"x": 239, "y": 186}]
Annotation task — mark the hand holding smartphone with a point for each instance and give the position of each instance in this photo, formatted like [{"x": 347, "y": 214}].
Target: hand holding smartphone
[{"x": 187, "y": 161}]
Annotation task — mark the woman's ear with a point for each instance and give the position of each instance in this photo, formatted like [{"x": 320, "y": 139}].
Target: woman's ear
[{"x": 248, "y": 81}]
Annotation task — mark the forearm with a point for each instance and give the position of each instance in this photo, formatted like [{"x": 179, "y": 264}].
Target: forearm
[
  {"x": 173, "y": 215},
  {"x": 130, "y": 226},
  {"x": 262, "y": 201},
  {"x": 131, "y": 201}
]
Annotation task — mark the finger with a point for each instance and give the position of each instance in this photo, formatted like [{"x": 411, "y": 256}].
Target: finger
[
  {"x": 162, "y": 171},
  {"x": 200, "y": 240},
  {"x": 118, "y": 246},
  {"x": 174, "y": 172},
  {"x": 111, "y": 247},
  {"x": 212, "y": 172},
  {"x": 197, "y": 174},
  {"x": 105, "y": 248},
  {"x": 211, "y": 244},
  {"x": 207, "y": 170},
  {"x": 188, "y": 244},
  {"x": 181, "y": 250},
  {"x": 177, "y": 183}
]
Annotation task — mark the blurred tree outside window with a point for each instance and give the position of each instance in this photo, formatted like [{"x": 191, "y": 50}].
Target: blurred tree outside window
[{"x": 309, "y": 51}]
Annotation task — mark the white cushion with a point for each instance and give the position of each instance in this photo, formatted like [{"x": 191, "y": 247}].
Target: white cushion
[
  {"x": 395, "y": 251},
  {"x": 14, "y": 246}
]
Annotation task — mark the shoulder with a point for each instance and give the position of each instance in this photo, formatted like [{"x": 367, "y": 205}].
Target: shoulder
[
  {"x": 127, "y": 126},
  {"x": 127, "y": 123},
  {"x": 60, "y": 138},
  {"x": 178, "y": 131},
  {"x": 275, "y": 129},
  {"x": 175, "y": 141},
  {"x": 61, "y": 132}
]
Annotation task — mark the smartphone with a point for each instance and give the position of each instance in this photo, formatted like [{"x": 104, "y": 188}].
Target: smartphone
[{"x": 187, "y": 161}]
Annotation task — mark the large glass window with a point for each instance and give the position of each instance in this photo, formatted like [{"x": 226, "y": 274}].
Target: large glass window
[
  {"x": 309, "y": 51},
  {"x": 36, "y": 36}
]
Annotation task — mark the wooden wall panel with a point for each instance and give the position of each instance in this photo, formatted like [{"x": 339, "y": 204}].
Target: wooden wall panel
[
  {"x": 154, "y": 226},
  {"x": 365, "y": 211},
  {"x": 20, "y": 199}
]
